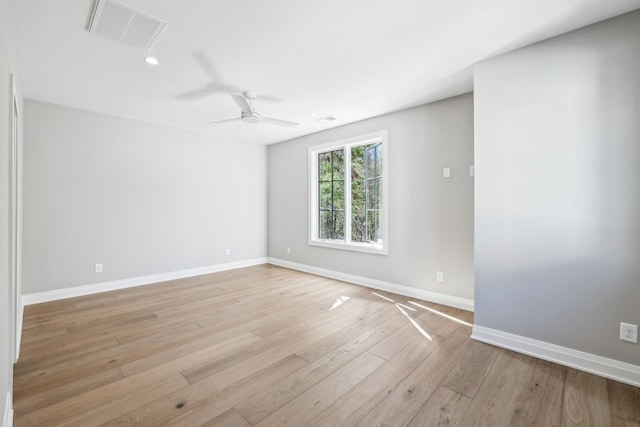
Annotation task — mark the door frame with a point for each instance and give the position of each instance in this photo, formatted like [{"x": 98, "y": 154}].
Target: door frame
[{"x": 15, "y": 202}]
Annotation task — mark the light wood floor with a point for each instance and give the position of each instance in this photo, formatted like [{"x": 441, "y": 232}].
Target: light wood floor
[{"x": 267, "y": 346}]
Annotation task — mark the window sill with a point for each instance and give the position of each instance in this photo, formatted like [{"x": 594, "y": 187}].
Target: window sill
[{"x": 355, "y": 247}]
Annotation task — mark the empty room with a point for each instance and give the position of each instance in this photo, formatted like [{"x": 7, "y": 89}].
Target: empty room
[{"x": 290, "y": 213}]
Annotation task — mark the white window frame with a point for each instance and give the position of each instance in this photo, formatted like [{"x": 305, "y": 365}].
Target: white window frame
[{"x": 347, "y": 244}]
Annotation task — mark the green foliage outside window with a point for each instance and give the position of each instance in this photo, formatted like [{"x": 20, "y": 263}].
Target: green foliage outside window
[
  {"x": 366, "y": 172},
  {"x": 331, "y": 195}
]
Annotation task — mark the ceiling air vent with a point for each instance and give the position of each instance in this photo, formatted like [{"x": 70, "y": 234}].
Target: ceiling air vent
[{"x": 127, "y": 25}]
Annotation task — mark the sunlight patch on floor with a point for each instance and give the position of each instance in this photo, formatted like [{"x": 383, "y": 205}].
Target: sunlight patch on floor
[
  {"x": 414, "y": 323},
  {"x": 339, "y": 302},
  {"x": 439, "y": 313},
  {"x": 406, "y": 306},
  {"x": 382, "y": 296}
]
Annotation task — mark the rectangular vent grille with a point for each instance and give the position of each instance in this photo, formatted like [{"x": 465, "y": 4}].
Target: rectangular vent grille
[{"x": 126, "y": 25}]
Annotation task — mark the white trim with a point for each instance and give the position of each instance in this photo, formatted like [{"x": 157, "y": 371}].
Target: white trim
[
  {"x": 407, "y": 291},
  {"x": 16, "y": 217},
  {"x": 95, "y": 288},
  {"x": 7, "y": 420},
  {"x": 370, "y": 248},
  {"x": 312, "y": 176},
  {"x": 19, "y": 326},
  {"x": 598, "y": 365}
]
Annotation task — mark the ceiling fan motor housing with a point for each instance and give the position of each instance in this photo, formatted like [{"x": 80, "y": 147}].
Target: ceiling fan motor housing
[{"x": 252, "y": 117}]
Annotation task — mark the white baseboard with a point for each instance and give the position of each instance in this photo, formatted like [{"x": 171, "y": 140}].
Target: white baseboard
[
  {"x": 452, "y": 301},
  {"x": 598, "y": 365},
  {"x": 7, "y": 420},
  {"x": 95, "y": 288}
]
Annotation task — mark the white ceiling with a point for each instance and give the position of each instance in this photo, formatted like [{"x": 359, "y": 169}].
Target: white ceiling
[{"x": 352, "y": 59}]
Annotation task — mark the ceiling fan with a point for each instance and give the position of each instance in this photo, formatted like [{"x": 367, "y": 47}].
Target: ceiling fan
[{"x": 249, "y": 115}]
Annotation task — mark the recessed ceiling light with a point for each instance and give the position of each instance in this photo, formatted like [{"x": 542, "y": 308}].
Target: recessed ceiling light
[
  {"x": 151, "y": 60},
  {"x": 313, "y": 115}
]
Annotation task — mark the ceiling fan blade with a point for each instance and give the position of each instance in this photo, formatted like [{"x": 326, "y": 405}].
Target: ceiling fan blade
[
  {"x": 203, "y": 61},
  {"x": 194, "y": 95},
  {"x": 278, "y": 122},
  {"x": 217, "y": 122},
  {"x": 272, "y": 99},
  {"x": 221, "y": 88},
  {"x": 209, "y": 89},
  {"x": 241, "y": 102}
]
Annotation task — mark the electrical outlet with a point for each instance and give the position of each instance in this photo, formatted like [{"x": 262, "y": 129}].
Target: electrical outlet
[
  {"x": 288, "y": 250},
  {"x": 98, "y": 268},
  {"x": 446, "y": 173},
  {"x": 472, "y": 170},
  {"x": 227, "y": 251},
  {"x": 629, "y": 332},
  {"x": 439, "y": 276}
]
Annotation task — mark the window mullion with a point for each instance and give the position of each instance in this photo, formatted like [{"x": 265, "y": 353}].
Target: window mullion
[
  {"x": 333, "y": 202},
  {"x": 347, "y": 194},
  {"x": 318, "y": 170}
]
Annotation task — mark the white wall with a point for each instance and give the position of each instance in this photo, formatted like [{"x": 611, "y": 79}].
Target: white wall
[
  {"x": 431, "y": 218},
  {"x": 557, "y": 236},
  {"x": 8, "y": 62},
  {"x": 138, "y": 198}
]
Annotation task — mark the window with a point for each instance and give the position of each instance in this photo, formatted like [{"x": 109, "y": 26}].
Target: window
[{"x": 348, "y": 194}]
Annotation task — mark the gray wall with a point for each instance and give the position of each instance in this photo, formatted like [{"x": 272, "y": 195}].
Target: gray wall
[
  {"x": 431, "y": 218},
  {"x": 557, "y": 236},
  {"x": 8, "y": 49},
  {"x": 140, "y": 199}
]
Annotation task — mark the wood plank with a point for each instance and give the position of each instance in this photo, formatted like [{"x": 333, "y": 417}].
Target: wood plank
[
  {"x": 145, "y": 330},
  {"x": 420, "y": 322},
  {"x": 445, "y": 407},
  {"x": 314, "y": 400},
  {"x": 272, "y": 398},
  {"x": 214, "y": 347},
  {"x": 304, "y": 318},
  {"x": 94, "y": 322},
  {"x": 403, "y": 401},
  {"x": 35, "y": 337},
  {"x": 62, "y": 350},
  {"x": 395, "y": 342},
  {"x": 356, "y": 316},
  {"x": 496, "y": 399},
  {"x": 216, "y": 383},
  {"x": 40, "y": 400},
  {"x": 105, "y": 403},
  {"x": 361, "y": 399},
  {"x": 624, "y": 401},
  {"x": 188, "y": 406},
  {"x": 469, "y": 373},
  {"x": 231, "y": 418},
  {"x": 586, "y": 402},
  {"x": 207, "y": 410},
  {"x": 281, "y": 342},
  {"x": 210, "y": 385},
  {"x": 540, "y": 399},
  {"x": 129, "y": 357},
  {"x": 330, "y": 343}
]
